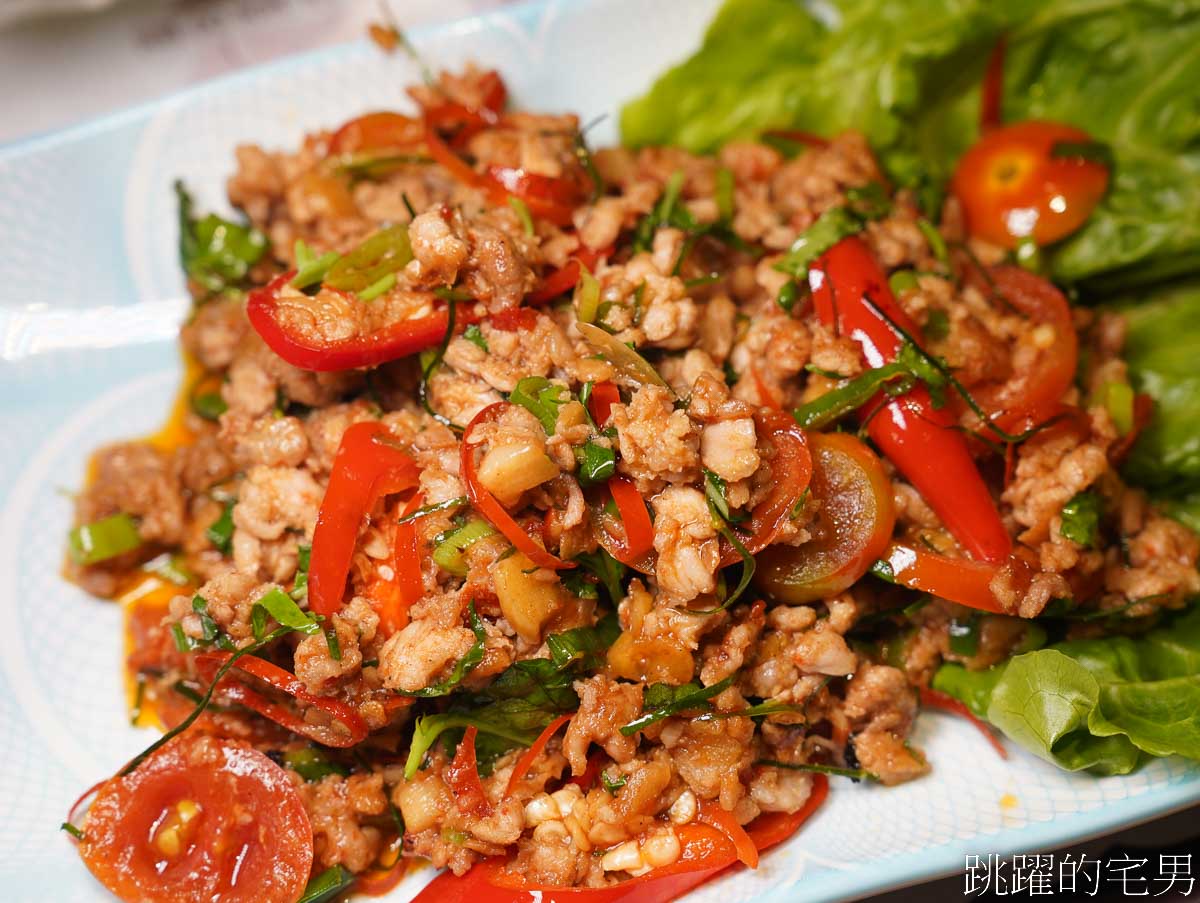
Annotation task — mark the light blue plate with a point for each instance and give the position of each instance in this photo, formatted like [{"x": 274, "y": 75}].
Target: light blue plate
[{"x": 92, "y": 298}]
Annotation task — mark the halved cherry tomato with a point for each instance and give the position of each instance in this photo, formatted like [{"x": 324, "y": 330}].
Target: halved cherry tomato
[
  {"x": 1035, "y": 390},
  {"x": 376, "y": 131},
  {"x": 203, "y": 818},
  {"x": 854, "y": 523},
  {"x": 1012, "y": 186},
  {"x": 936, "y": 699}
]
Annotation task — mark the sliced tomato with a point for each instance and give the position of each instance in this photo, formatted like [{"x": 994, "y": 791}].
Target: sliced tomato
[
  {"x": 854, "y": 523},
  {"x": 706, "y": 853},
  {"x": 772, "y": 828},
  {"x": 1014, "y": 185},
  {"x": 204, "y": 818},
  {"x": 377, "y": 131},
  {"x": 1034, "y": 391}
]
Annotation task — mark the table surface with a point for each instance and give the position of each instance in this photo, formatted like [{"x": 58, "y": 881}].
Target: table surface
[{"x": 110, "y": 45}]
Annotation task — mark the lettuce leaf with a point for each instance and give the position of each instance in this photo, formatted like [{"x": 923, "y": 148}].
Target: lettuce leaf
[
  {"x": 907, "y": 73},
  {"x": 1162, "y": 349},
  {"x": 1100, "y": 705}
]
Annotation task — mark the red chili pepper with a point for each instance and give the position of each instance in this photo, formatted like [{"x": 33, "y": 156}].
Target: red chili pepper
[
  {"x": 209, "y": 662},
  {"x": 391, "y": 599},
  {"x": 566, "y": 277},
  {"x": 465, "y": 121},
  {"x": 992, "y": 92},
  {"x": 919, "y": 439},
  {"x": 500, "y": 182},
  {"x": 707, "y": 852},
  {"x": 530, "y": 755},
  {"x": 364, "y": 469},
  {"x": 462, "y": 777},
  {"x": 773, "y": 828},
  {"x": 604, "y": 396},
  {"x": 956, "y": 579},
  {"x": 376, "y": 131},
  {"x": 712, "y": 813},
  {"x": 591, "y": 774},
  {"x": 791, "y": 472},
  {"x": 639, "y": 530},
  {"x": 936, "y": 699},
  {"x": 390, "y": 343},
  {"x": 487, "y": 505},
  {"x": 514, "y": 319}
]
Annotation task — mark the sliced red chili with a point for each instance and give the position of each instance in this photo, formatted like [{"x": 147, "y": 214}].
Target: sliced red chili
[
  {"x": 604, "y": 396},
  {"x": 364, "y": 469},
  {"x": 567, "y": 276},
  {"x": 639, "y": 529},
  {"x": 462, "y": 777},
  {"x": 850, "y": 291},
  {"x": 936, "y": 699},
  {"x": 712, "y": 813},
  {"x": 530, "y": 755},
  {"x": 487, "y": 505},
  {"x": 390, "y": 343},
  {"x": 376, "y": 131},
  {"x": 773, "y": 828}
]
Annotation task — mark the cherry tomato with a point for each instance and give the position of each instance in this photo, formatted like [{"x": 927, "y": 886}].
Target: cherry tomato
[
  {"x": 1012, "y": 186},
  {"x": 1034, "y": 391},
  {"x": 854, "y": 524},
  {"x": 202, "y": 819}
]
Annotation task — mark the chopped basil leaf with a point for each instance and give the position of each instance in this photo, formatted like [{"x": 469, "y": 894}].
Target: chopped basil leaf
[
  {"x": 328, "y": 885},
  {"x": 607, "y": 570},
  {"x": 220, "y": 533},
  {"x": 596, "y": 463},
  {"x": 664, "y": 700},
  {"x": 209, "y": 405},
  {"x": 586, "y": 647},
  {"x": 216, "y": 253},
  {"x": 869, "y": 201},
  {"x": 854, "y": 774},
  {"x": 1081, "y": 519},
  {"x": 311, "y": 763},
  {"x": 643, "y": 236},
  {"x": 474, "y": 335},
  {"x": 964, "y": 635},
  {"x": 937, "y": 324}
]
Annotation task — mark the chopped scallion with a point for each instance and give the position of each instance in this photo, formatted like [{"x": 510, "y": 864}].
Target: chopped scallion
[{"x": 103, "y": 539}]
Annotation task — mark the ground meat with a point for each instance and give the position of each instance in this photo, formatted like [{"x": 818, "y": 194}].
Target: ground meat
[
  {"x": 881, "y": 706},
  {"x": 710, "y": 756},
  {"x": 269, "y": 440},
  {"x": 605, "y": 706},
  {"x": 203, "y": 464},
  {"x": 495, "y": 273},
  {"x": 656, "y": 441},
  {"x": 314, "y": 663},
  {"x": 336, "y": 807},
  {"x": 414, "y": 657},
  {"x": 686, "y": 542},
  {"x": 438, "y": 251},
  {"x": 729, "y": 449},
  {"x": 229, "y": 598},
  {"x": 780, "y": 790},
  {"x": 214, "y": 333},
  {"x": 275, "y": 505},
  {"x": 137, "y": 478}
]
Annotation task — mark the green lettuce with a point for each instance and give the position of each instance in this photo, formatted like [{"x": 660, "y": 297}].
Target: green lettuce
[
  {"x": 1101, "y": 705},
  {"x": 907, "y": 73},
  {"x": 1162, "y": 349}
]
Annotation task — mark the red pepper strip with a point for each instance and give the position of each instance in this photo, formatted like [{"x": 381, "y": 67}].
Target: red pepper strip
[
  {"x": 375, "y": 131},
  {"x": 591, "y": 774},
  {"x": 530, "y": 755},
  {"x": 936, "y": 699},
  {"x": 639, "y": 530},
  {"x": 957, "y": 579},
  {"x": 566, "y": 277},
  {"x": 773, "y": 828},
  {"x": 363, "y": 470},
  {"x": 393, "y": 598},
  {"x": 514, "y": 319},
  {"x": 551, "y": 199},
  {"x": 919, "y": 439},
  {"x": 791, "y": 471},
  {"x": 393, "y": 341},
  {"x": 467, "y": 120},
  {"x": 273, "y": 675},
  {"x": 1143, "y": 411},
  {"x": 487, "y": 505},
  {"x": 500, "y": 183},
  {"x": 991, "y": 95},
  {"x": 766, "y": 396},
  {"x": 462, "y": 777},
  {"x": 706, "y": 853},
  {"x": 712, "y": 813},
  {"x": 604, "y": 396}
]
